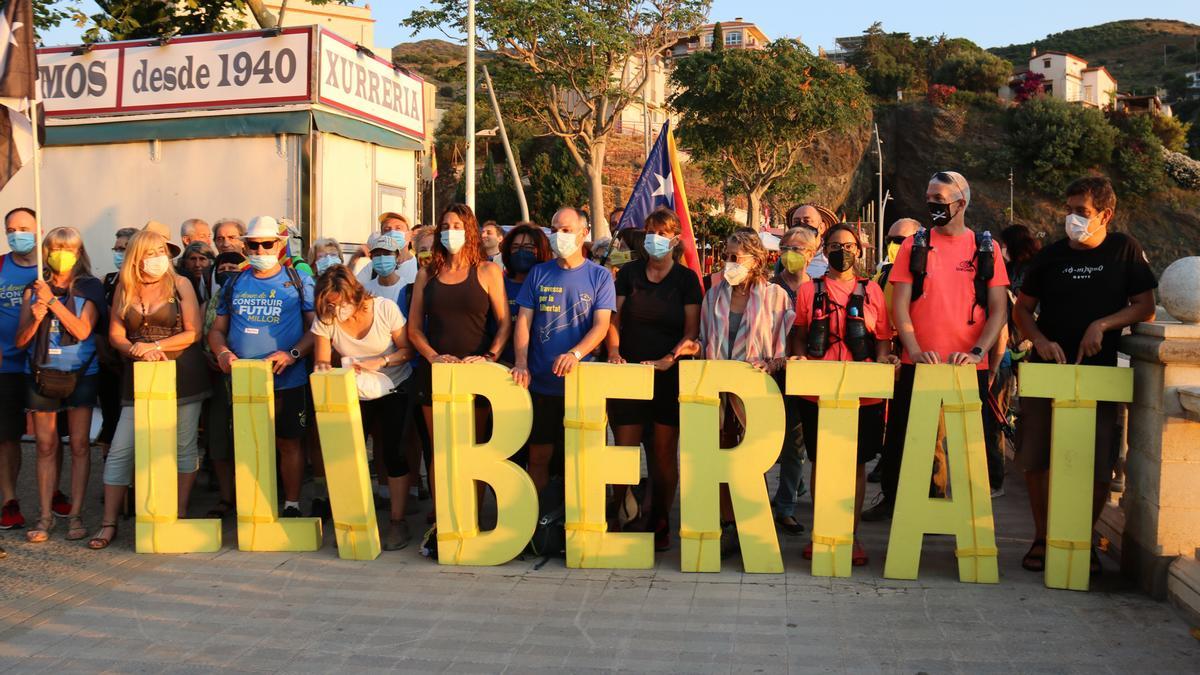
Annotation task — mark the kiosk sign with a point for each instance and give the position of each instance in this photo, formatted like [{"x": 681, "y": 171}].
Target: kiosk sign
[{"x": 367, "y": 86}]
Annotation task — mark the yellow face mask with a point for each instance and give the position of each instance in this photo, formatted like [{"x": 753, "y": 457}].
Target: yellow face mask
[
  {"x": 892, "y": 251},
  {"x": 62, "y": 261},
  {"x": 423, "y": 257},
  {"x": 793, "y": 261}
]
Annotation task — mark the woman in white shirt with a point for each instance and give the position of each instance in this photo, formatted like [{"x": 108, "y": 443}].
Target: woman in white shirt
[{"x": 369, "y": 334}]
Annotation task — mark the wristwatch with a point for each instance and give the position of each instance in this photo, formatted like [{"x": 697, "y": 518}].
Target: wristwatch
[
  {"x": 576, "y": 354},
  {"x": 294, "y": 353},
  {"x": 977, "y": 351}
]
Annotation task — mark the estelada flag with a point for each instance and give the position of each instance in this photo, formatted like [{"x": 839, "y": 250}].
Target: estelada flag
[
  {"x": 18, "y": 82},
  {"x": 661, "y": 184}
]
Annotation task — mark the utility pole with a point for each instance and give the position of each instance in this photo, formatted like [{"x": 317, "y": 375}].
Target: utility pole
[
  {"x": 646, "y": 106},
  {"x": 512, "y": 160},
  {"x": 469, "y": 178},
  {"x": 879, "y": 247}
]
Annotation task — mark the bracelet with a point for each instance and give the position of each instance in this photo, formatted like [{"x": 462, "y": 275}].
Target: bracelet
[{"x": 157, "y": 346}]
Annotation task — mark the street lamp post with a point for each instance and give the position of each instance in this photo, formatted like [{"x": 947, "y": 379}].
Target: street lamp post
[{"x": 469, "y": 178}]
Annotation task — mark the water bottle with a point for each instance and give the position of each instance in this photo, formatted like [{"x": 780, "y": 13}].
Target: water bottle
[
  {"x": 856, "y": 335},
  {"x": 986, "y": 263},
  {"x": 919, "y": 254},
  {"x": 818, "y": 331}
]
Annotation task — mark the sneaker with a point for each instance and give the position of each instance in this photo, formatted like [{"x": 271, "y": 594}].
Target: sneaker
[
  {"x": 662, "y": 536},
  {"x": 10, "y": 515},
  {"x": 882, "y": 510},
  {"x": 291, "y": 512},
  {"x": 320, "y": 509},
  {"x": 998, "y": 492},
  {"x": 60, "y": 505},
  {"x": 397, "y": 536}
]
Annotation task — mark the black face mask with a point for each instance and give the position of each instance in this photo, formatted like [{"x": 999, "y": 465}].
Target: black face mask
[
  {"x": 222, "y": 277},
  {"x": 896, "y": 240},
  {"x": 841, "y": 261},
  {"x": 939, "y": 214}
]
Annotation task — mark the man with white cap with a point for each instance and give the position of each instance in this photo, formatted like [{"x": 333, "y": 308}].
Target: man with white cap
[
  {"x": 396, "y": 226},
  {"x": 385, "y": 255},
  {"x": 265, "y": 313},
  {"x": 949, "y": 304}
]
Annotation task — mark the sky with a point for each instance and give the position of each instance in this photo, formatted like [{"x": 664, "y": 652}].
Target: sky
[{"x": 989, "y": 24}]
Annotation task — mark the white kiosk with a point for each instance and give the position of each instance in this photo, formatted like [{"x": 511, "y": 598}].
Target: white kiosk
[{"x": 296, "y": 123}]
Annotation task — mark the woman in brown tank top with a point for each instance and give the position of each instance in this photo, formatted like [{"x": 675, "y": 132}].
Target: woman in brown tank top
[
  {"x": 452, "y": 298},
  {"x": 155, "y": 317}
]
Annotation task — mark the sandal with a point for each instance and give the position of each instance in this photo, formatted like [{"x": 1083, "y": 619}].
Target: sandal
[
  {"x": 75, "y": 528},
  {"x": 41, "y": 531},
  {"x": 790, "y": 525},
  {"x": 222, "y": 509},
  {"x": 858, "y": 556},
  {"x": 1035, "y": 562},
  {"x": 98, "y": 542}
]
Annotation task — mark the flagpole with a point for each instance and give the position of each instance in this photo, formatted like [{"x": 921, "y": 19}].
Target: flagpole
[{"x": 37, "y": 185}]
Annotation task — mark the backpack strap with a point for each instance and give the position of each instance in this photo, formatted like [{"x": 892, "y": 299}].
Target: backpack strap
[
  {"x": 917, "y": 267},
  {"x": 984, "y": 271},
  {"x": 227, "y": 291},
  {"x": 297, "y": 283}
]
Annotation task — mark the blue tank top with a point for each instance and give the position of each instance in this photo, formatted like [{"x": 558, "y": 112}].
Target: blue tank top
[{"x": 67, "y": 357}]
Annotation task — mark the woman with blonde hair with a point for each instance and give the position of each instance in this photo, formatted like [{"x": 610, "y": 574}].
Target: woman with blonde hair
[
  {"x": 58, "y": 316},
  {"x": 324, "y": 253},
  {"x": 369, "y": 334},
  {"x": 155, "y": 317},
  {"x": 743, "y": 318}
]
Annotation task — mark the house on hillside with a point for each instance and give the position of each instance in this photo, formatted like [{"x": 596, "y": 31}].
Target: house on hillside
[
  {"x": 846, "y": 47},
  {"x": 739, "y": 34},
  {"x": 1069, "y": 78},
  {"x": 1148, "y": 104}
]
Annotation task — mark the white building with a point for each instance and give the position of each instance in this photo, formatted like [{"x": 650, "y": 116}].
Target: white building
[{"x": 1068, "y": 77}]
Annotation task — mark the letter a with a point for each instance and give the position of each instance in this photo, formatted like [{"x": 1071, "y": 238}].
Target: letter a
[
  {"x": 704, "y": 466},
  {"x": 156, "y": 468},
  {"x": 459, "y": 462},
  {"x": 591, "y": 464},
  {"x": 839, "y": 386},
  {"x": 967, "y": 512},
  {"x": 1075, "y": 390}
]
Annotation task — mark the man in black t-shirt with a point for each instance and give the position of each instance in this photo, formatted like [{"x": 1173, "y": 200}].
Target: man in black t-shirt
[{"x": 1089, "y": 287}]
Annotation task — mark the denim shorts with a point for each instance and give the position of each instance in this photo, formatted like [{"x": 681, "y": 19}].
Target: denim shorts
[
  {"x": 118, "y": 468},
  {"x": 87, "y": 388}
]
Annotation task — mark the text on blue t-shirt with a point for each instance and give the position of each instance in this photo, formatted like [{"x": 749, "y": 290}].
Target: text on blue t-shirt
[{"x": 267, "y": 316}]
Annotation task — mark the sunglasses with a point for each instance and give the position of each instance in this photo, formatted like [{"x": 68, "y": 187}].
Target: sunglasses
[{"x": 256, "y": 245}]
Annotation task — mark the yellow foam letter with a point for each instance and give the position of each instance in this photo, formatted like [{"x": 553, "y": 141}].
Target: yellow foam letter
[
  {"x": 840, "y": 385},
  {"x": 591, "y": 464},
  {"x": 967, "y": 513},
  {"x": 1075, "y": 390},
  {"x": 259, "y": 526},
  {"x": 156, "y": 468},
  {"x": 703, "y": 465},
  {"x": 339, "y": 421},
  {"x": 459, "y": 462}
]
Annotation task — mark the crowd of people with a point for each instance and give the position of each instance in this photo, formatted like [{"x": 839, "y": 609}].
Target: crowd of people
[{"x": 542, "y": 300}]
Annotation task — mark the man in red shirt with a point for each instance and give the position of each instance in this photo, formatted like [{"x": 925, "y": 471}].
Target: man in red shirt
[{"x": 951, "y": 313}]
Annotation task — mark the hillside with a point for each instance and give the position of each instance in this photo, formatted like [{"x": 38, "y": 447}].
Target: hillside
[
  {"x": 1131, "y": 50},
  {"x": 438, "y": 61}
]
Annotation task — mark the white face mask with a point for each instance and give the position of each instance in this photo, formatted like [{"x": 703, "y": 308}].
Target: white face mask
[
  {"x": 564, "y": 244},
  {"x": 345, "y": 312},
  {"x": 454, "y": 240},
  {"x": 156, "y": 266},
  {"x": 735, "y": 273},
  {"x": 1078, "y": 228},
  {"x": 263, "y": 263}
]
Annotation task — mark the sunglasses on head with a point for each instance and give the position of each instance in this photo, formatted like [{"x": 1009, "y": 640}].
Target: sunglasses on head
[{"x": 256, "y": 245}]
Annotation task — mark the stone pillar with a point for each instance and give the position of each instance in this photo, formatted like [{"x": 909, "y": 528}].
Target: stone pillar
[{"x": 1162, "y": 484}]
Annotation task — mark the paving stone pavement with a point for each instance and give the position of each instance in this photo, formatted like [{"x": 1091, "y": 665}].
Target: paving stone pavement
[{"x": 66, "y": 609}]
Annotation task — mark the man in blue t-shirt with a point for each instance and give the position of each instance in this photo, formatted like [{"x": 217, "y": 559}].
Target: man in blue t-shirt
[
  {"x": 265, "y": 313},
  {"x": 18, "y": 269},
  {"x": 565, "y": 306}
]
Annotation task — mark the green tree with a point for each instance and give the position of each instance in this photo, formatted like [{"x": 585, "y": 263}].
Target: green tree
[
  {"x": 975, "y": 70},
  {"x": 1172, "y": 132},
  {"x": 887, "y": 61},
  {"x": 718, "y": 37},
  {"x": 1053, "y": 141},
  {"x": 1138, "y": 158},
  {"x": 749, "y": 115},
  {"x": 554, "y": 180},
  {"x": 133, "y": 19},
  {"x": 571, "y": 68}
]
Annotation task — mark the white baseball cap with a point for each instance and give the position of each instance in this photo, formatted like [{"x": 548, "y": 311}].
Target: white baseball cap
[{"x": 384, "y": 242}]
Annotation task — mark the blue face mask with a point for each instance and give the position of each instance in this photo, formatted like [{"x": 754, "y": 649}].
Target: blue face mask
[
  {"x": 327, "y": 261},
  {"x": 398, "y": 237},
  {"x": 521, "y": 261},
  {"x": 383, "y": 264},
  {"x": 21, "y": 242},
  {"x": 657, "y": 246},
  {"x": 118, "y": 258}
]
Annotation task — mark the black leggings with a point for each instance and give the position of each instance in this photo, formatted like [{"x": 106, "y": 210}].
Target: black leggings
[{"x": 386, "y": 417}]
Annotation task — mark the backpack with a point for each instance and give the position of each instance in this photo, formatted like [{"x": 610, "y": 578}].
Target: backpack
[
  {"x": 550, "y": 534},
  {"x": 984, "y": 260},
  {"x": 818, "y": 340},
  {"x": 227, "y": 289}
]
